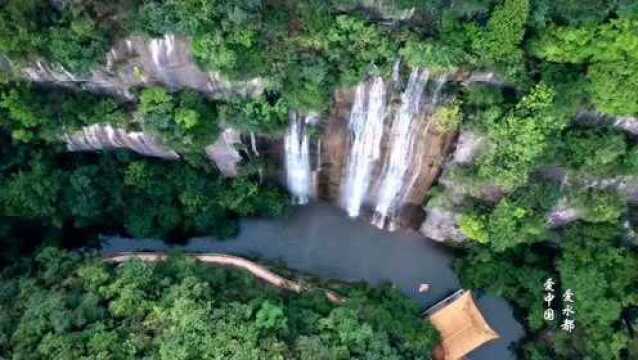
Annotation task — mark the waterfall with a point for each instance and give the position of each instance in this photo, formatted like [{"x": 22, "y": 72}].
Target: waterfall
[
  {"x": 366, "y": 130},
  {"x": 403, "y": 135},
  {"x": 421, "y": 145},
  {"x": 162, "y": 50},
  {"x": 299, "y": 177}
]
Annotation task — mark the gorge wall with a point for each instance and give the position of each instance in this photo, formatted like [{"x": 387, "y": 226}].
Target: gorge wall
[
  {"x": 138, "y": 61},
  {"x": 376, "y": 153},
  {"x": 379, "y": 150}
]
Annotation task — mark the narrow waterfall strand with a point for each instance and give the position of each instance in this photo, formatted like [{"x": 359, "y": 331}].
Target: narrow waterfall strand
[
  {"x": 403, "y": 136},
  {"x": 299, "y": 177}
]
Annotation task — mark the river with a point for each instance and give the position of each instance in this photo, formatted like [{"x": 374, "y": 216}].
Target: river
[{"x": 320, "y": 239}]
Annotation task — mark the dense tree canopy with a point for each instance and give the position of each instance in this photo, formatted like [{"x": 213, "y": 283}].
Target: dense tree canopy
[
  {"x": 549, "y": 60},
  {"x": 185, "y": 121},
  {"x": 521, "y": 137},
  {"x": 147, "y": 198},
  {"x": 70, "y": 306},
  {"x": 610, "y": 53}
]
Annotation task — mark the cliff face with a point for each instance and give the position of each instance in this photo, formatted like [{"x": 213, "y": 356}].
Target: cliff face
[
  {"x": 137, "y": 61},
  {"x": 384, "y": 11},
  {"x": 442, "y": 219},
  {"x": 377, "y": 153},
  {"x": 106, "y": 137},
  {"x": 381, "y": 150},
  {"x": 624, "y": 123}
]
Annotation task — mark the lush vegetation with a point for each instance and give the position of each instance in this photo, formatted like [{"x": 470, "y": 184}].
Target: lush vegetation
[
  {"x": 67, "y": 306},
  {"x": 307, "y": 48},
  {"x": 610, "y": 53},
  {"x": 594, "y": 261},
  {"x": 76, "y": 34},
  {"x": 186, "y": 122},
  {"x": 540, "y": 169},
  {"x": 33, "y": 115},
  {"x": 537, "y": 164},
  {"x": 550, "y": 58},
  {"x": 143, "y": 197}
]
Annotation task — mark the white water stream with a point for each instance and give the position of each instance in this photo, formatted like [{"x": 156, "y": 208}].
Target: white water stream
[
  {"x": 404, "y": 133},
  {"x": 366, "y": 130},
  {"x": 299, "y": 177}
]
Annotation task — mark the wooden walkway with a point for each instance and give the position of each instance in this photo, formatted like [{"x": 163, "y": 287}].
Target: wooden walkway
[{"x": 237, "y": 262}]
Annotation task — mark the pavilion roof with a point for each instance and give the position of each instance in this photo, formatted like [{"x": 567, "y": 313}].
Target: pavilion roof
[{"x": 461, "y": 324}]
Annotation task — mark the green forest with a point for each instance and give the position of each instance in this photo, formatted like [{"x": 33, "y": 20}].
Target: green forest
[
  {"x": 62, "y": 305},
  {"x": 553, "y": 60}
]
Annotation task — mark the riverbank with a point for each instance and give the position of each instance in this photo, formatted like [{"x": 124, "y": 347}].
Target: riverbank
[
  {"x": 319, "y": 239},
  {"x": 259, "y": 271}
]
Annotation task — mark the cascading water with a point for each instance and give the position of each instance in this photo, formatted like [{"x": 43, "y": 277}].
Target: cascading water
[
  {"x": 162, "y": 50},
  {"x": 404, "y": 133},
  {"x": 366, "y": 128},
  {"x": 299, "y": 177},
  {"x": 421, "y": 144}
]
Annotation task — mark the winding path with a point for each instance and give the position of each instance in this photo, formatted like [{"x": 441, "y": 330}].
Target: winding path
[{"x": 257, "y": 270}]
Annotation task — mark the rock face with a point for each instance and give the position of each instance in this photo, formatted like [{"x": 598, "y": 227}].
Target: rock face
[
  {"x": 468, "y": 146},
  {"x": 485, "y": 78},
  {"x": 625, "y": 123},
  {"x": 442, "y": 225},
  {"x": 105, "y": 137},
  {"x": 561, "y": 216},
  {"x": 380, "y": 149},
  {"x": 135, "y": 62},
  {"x": 385, "y": 11},
  {"x": 626, "y": 186},
  {"x": 224, "y": 152},
  {"x": 442, "y": 220},
  {"x": 138, "y": 61}
]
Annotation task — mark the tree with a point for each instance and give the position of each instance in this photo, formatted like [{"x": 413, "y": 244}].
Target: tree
[
  {"x": 609, "y": 50},
  {"x": 37, "y": 114},
  {"x": 603, "y": 276},
  {"x": 516, "y": 274},
  {"x": 505, "y": 31},
  {"x": 33, "y": 192},
  {"x": 225, "y": 35},
  {"x": 520, "y": 138},
  {"x": 186, "y": 122},
  {"x": 592, "y": 152},
  {"x": 448, "y": 118},
  {"x": 70, "y": 306},
  {"x": 474, "y": 227},
  {"x": 582, "y": 12},
  {"x": 436, "y": 57},
  {"x": 353, "y": 47},
  {"x": 77, "y": 35},
  {"x": 266, "y": 114},
  {"x": 499, "y": 43}
]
